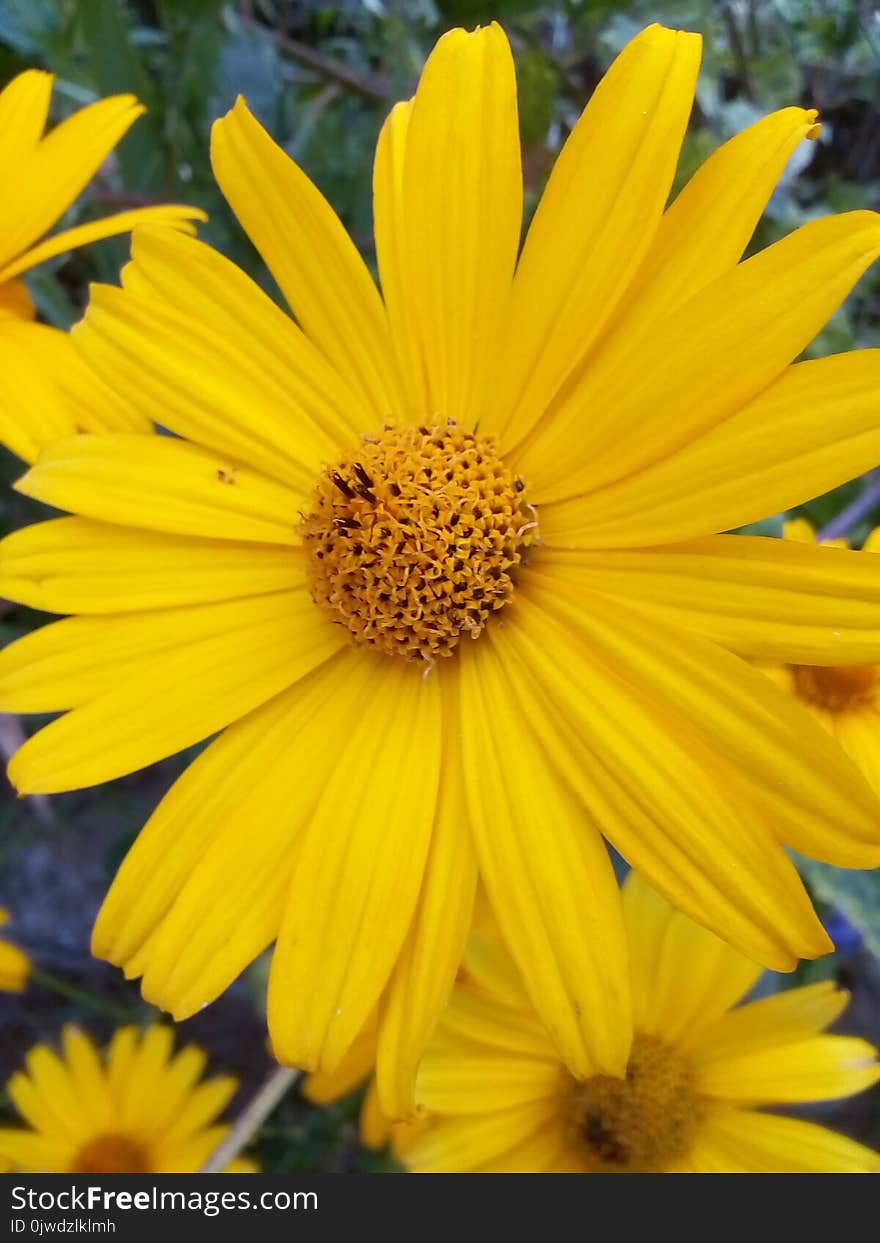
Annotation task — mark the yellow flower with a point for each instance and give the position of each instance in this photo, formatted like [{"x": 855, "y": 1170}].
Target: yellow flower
[
  {"x": 845, "y": 698},
  {"x": 508, "y": 471},
  {"x": 14, "y": 964},
  {"x": 138, "y": 1110},
  {"x": 45, "y": 389},
  {"x": 701, "y": 1071}
]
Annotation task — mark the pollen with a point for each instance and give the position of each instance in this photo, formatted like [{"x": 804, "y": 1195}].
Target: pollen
[
  {"x": 111, "y": 1153},
  {"x": 637, "y": 1125},
  {"x": 416, "y": 539},
  {"x": 836, "y": 689}
]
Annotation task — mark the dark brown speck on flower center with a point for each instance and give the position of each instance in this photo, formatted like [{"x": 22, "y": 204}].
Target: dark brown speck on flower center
[
  {"x": 111, "y": 1153},
  {"x": 415, "y": 539},
  {"x": 638, "y": 1125},
  {"x": 838, "y": 688}
]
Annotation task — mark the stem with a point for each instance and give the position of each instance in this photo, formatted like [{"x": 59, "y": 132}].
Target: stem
[
  {"x": 853, "y": 513},
  {"x": 251, "y": 1119},
  {"x": 72, "y": 993}
]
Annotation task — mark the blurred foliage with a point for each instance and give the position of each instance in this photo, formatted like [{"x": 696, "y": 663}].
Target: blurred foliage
[{"x": 321, "y": 75}]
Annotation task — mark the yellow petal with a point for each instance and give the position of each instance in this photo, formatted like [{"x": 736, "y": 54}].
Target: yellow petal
[
  {"x": 24, "y": 110},
  {"x": 543, "y": 864},
  {"x": 490, "y": 967},
  {"x": 16, "y": 301},
  {"x": 187, "y": 947},
  {"x": 308, "y": 251},
  {"x": 14, "y": 968},
  {"x": 160, "y": 484},
  {"x": 374, "y": 1129},
  {"x": 595, "y": 220},
  {"x": 811, "y": 430},
  {"x": 858, "y": 732},
  {"x": 473, "y": 1019},
  {"x": 710, "y": 223},
  {"x": 461, "y": 213},
  {"x": 656, "y": 786},
  {"x": 359, "y": 865},
  {"x": 75, "y": 565},
  {"x": 454, "y": 1081},
  {"x": 46, "y": 1096},
  {"x": 684, "y": 977},
  {"x": 762, "y": 598},
  {"x": 55, "y": 171},
  {"x": 89, "y": 1080},
  {"x": 323, "y": 1086},
  {"x": 425, "y": 971},
  {"x": 179, "y": 1078},
  {"x": 648, "y": 395},
  {"x": 798, "y": 778},
  {"x": 159, "y": 917},
  {"x": 759, "y": 1143},
  {"x": 817, "y": 1068},
  {"x": 389, "y": 212},
  {"x": 777, "y": 1020},
  {"x": 171, "y": 215},
  {"x": 48, "y": 392},
  {"x": 464, "y": 1144},
  {"x": 266, "y": 644},
  {"x": 202, "y": 350},
  {"x": 70, "y": 662},
  {"x": 34, "y": 1154}
]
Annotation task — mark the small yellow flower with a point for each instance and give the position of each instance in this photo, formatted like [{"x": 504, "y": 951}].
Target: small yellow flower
[
  {"x": 45, "y": 389},
  {"x": 14, "y": 964},
  {"x": 844, "y": 698},
  {"x": 701, "y": 1071},
  {"x": 440, "y": 566},
  {"x": 138, "y": 1110}
]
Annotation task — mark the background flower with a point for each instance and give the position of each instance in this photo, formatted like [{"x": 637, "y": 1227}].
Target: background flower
[{"x": 138, "y": 1109}]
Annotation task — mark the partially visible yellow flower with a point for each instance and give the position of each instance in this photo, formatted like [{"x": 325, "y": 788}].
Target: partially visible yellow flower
[
  {"x": 843, "y": 698},
  {"x": 45, "y": 389},
  {"x": 14, "y": 964},
  {"x": 701, "y": 1070},
  {"x": 138, "y": 1110}
]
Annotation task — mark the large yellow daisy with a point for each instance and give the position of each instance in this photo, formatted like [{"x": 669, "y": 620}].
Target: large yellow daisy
[
  {"x": 701, "y": 1072},
  {"x": 45, "y": 389},
  {"x": 138, "y": 1110},
  {"x": 439, "y": 563}
]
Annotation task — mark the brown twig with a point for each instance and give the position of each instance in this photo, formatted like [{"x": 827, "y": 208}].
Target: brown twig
[{"x": 251, "y": 1119}]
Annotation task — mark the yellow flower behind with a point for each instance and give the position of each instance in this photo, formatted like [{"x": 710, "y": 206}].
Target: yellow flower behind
[
  {"x": 45, "y": 389},
  {"x": 438, "y": 566},
  {"x": 139, "y": 1109},
  {"x": 701, "y": 1074},
  {"x": 14, "y": 963},
  {"x": 845, "y": 699}
]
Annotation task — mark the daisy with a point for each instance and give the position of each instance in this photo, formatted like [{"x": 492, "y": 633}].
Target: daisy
[
  {"x": 45, "y": 389},
  {"x": 138, "y": 1110},
  {"x": 14, "y": 963},
  {"x": 843, "y": 698},
  {"x": 701, "y": 1071},
  {"x": 438, "y": 566}
]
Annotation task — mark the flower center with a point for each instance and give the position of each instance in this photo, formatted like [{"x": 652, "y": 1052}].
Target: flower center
[
  {"x": 640, "y": 1124},
  {"x": 835, "y": 688},
  {"x": 415, "y": 540},
  {"x": 111, "y": 1153}
]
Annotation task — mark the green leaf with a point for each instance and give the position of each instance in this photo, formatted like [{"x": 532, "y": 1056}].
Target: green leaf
[{"x": 117, "y": 69}]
